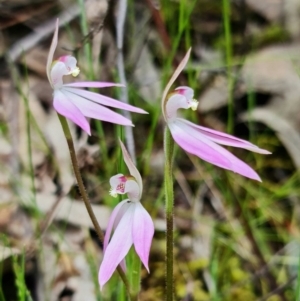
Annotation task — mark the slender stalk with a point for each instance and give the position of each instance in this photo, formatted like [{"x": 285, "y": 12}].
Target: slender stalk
[
  {"x": 135, "y": 275},
  {"x": 84, "y": 195},
  {"x": 87, "y": 46},
  {"x": 120, "y": 24},
  {"x": 91, "y": 73},
  {"x": 135, "y": 269},
  {"x": 228, "y": 50},
  {"x": 81, "y": 187},
  {"x": 297, "y": 296},
  {"x": 169, "y": 150}
]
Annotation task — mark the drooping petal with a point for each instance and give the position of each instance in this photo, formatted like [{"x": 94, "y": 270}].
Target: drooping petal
[
  {"x": 172, "y": 80},
  {"x": 105, "y": 100},
  {"x": 125, "y": 205},
  {"x": 121, "y": 212},
  {"x": 66, "y": 108},
  {"x": 94, "y": 110},
  {"x": 58, "y": 70},
  {"x": 93, "y": 85},
  {"x": 132, "y": 169},
  {"x": 111, "y": 223},
  {"x": 118, "y": 247},
  {"x": 51, "y": 51},
  {"x": 225, "y": 139},
  {"x": 198, "y": 144},
  {"x": 142, "y": 233}
]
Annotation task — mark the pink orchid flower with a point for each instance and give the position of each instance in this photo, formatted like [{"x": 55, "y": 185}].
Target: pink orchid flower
[
  {"x": 131, "y": 223},
  {"x": 75, "y": 103},
  {"x": 198, "y": 140}
]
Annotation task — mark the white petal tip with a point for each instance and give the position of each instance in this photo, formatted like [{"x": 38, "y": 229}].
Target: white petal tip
[
  {"x": 147, "y": 268},
  {"x": 88, "y": 131},
  {"x": 101, "y": 284},
  {"x": 256, "y": 178},
  {"x": 265, "y": 152}
]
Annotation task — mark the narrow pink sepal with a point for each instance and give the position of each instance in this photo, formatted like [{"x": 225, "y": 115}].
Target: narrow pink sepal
[
  {"x": 142, "y": 233},
  {"x": 225, "y": 139},
  {"x": 132, "y": 169},
  {"x": 199, "y": 147},
  {"x": 93, "y": 85},
  {"x": 93, "y": 110},
  {"x": 51, "y": 51},
  {"x": 198, "y": 144},
  {"x": 118, "y": 247},
  {"x": 172, "y": 80},
  {"x": 111, "y": 223},
  {"x": 105, "y": 100},
  {"x": 66, "y": 108}
]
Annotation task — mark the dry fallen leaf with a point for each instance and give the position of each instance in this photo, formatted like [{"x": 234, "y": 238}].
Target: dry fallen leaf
[{"x": 270, "y": 9}]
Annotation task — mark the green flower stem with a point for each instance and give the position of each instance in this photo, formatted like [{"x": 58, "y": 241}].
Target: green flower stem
[
  {"x": 228, "y": 51},
  {"x": 135, "y": 276},
  {"x": 169, "y": 150},
  {"x": 84, "y": 195}
]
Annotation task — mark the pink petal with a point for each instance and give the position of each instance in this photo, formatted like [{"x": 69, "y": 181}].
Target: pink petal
[
  {"x": 90, "y": 109},
  {"x": 172, "y": 80},
  {"x": 66, "y": 108},
  {"x": 111, "y": 224},
  {"x": 142, "y": 233},
  {"x": 93, "y": 85},
  {"x": 118, "y": 247},
  {"x": 104, "y": 100},
  {"x": 51, "y": 51},
  {"x": 225, "y": 139},
  {"x": 132, "y": 169},
  {"x": 198, "y": 144}
]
